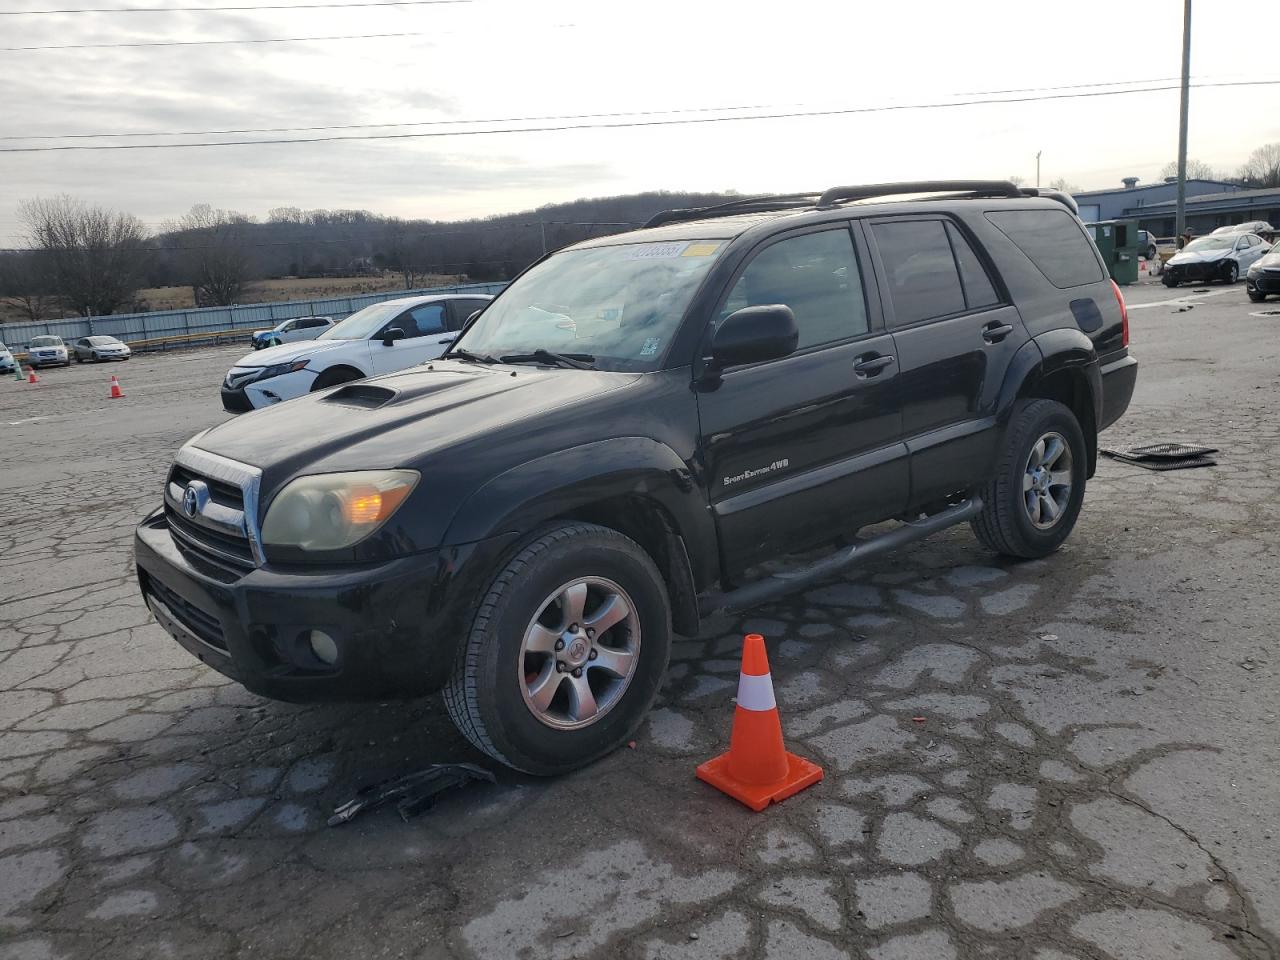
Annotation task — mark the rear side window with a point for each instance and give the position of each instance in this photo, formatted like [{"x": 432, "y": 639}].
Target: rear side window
[
  {"x": 978, "y": 289},
  {"x": 1054, "y": 242},
  {"x": 923, "y": 279},
  {"x": 817, "y": 276}
]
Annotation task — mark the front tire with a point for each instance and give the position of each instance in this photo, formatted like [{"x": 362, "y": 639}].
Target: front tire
[
  {"x": 566, "y": 652},
  {"x": 334, "y": 376},
  {"x": 1257, "y": 296},
  {"x": 1168, "y": 280},
  {"x": 1031, "y": 506},
  {"x": 1232, "y": 273}
]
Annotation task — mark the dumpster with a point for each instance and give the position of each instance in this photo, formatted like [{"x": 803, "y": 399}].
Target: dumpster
[{"x": 1118, "y": 242}]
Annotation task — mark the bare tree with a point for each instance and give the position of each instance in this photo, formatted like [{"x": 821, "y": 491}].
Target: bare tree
[
  {"x": 1196, "y": 170},
  {"x": 95, "y": 257},
  {"x": 1015, "y": 179},
  {"x": 1262, "y": 169},
  {"x": 404, "y": 250},
  {"x": 1065, "y": 185},
  {"x": 212, "y": 255},
  {"x": 25, "y": 282}
]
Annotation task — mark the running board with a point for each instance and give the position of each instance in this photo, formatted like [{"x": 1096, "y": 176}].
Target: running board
[{"x": 778, "y": 584}]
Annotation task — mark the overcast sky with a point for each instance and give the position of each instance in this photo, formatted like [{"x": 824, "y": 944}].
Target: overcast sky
[{"x": 498, "y": 58}]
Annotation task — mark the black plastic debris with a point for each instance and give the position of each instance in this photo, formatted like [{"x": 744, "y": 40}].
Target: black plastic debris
[
  {"x": 414, "y": 793},
  {"x": 1164, "y": 456}
]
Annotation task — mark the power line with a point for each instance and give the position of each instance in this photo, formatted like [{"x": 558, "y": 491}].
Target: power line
[
  {"x": 679, "y": 121},
  {"x": 273, "y": 6},
  {"x": 371, "y": 126}
]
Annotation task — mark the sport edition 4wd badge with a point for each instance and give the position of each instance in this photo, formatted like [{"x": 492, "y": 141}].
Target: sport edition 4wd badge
[{"x": 748, "y": 474}]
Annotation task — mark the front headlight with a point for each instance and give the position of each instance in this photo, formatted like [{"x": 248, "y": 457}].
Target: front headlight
[
  {"x": 331, "y": 511},
  {"x": 280, "y": 369}
]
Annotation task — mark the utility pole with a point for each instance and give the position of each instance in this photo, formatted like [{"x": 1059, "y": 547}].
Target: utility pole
[
  {"x": 1181, "y": 222},
  {"x": 1038, "y": 152},
  {"x": 543, "y": 227}
]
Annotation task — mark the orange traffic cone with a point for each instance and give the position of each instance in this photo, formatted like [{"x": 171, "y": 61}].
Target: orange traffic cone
[
  {"x": 757, "y": 770},
  {"x": 116, "y": 392},
  {"x": 31, "y": 375}
]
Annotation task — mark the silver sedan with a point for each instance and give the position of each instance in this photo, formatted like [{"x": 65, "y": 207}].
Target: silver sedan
[{"x": 98, "y": 348}]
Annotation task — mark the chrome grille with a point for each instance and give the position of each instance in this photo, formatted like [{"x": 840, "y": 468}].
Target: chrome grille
[{"x": 221, "y": 519}]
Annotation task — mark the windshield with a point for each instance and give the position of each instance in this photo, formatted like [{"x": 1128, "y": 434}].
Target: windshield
[
  {"x": 102, "y": 341},
  {"x": 1211, "y": 243},
  {"x": 363, "y": 324},
  {"x": 619, "y": 304},
  {"x": 46, "y": 341}
]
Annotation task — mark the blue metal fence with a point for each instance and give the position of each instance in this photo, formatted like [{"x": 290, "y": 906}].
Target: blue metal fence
[{"x": 212, "y": 320}]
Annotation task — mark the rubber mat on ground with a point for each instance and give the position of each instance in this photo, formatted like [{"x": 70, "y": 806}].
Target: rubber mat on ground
[{"x": 1164, "y": 456}]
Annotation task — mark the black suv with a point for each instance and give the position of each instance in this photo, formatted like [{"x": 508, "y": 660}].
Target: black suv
[{"x": 615, "y": 444}]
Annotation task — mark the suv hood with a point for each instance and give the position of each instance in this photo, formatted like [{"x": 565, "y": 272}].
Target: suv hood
[
  {"x": 402, "y": 419},
  {"x": 290, "y": 351}
]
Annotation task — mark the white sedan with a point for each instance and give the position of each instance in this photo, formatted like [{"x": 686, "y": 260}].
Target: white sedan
[
  {"x": 1225, "y": 257},
  {"x": 291, "y": 331},
  {"x": 381, "y": 338}
]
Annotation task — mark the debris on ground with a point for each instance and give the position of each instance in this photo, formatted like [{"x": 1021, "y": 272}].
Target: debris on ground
[
  {"x": 415, "y": 792},
  {"x": 1164, "y": 456}
]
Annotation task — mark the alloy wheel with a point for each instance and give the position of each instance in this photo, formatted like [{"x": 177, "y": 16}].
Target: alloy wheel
[
  {"x": 579, "y": 653},
  {"x": 1046, "y": 480}
]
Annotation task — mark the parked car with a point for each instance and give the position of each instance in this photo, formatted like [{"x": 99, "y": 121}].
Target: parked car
[
  {"x": 1264, "y": 276},
  {"x": 47, "y": 352},
  {"x": 1149, "y": 244},
  {"x": 291, "y": 331},
  {"x": 1215, "y": 257},
  {"x": 381, "y": 338},
  {"x": 1253, "y": 226},
  {"x": 524, "y": 526},
  {"x": 7, "y": 363},
  {"x": 100, "y": 347}
]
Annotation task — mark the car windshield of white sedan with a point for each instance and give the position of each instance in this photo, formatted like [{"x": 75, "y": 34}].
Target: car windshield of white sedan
[
  {"x": 619, "y": 305},
  {"x": 103, "y": 341},
  {"x": 46, "y": 341},
  {"x": 363, "y": 324},
  {"x": 1205, "y": 244}
]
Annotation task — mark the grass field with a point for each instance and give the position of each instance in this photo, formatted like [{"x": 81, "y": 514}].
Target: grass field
[{"x": 264, "y": 291}]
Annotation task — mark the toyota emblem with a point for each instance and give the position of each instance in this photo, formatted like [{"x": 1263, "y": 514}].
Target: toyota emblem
[{"x": 194, "y": 497}]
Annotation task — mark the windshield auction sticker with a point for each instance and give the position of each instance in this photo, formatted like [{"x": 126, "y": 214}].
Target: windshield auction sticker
[{"x": 657, "y": 251}]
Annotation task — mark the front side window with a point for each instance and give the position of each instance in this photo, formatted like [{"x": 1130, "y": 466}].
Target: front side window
[
  {"x": 817, "y": 276},
  {"x": 620, "y": 304},
  {"x": 924, "y": 281},
  {"x": 424, "y": 320}
]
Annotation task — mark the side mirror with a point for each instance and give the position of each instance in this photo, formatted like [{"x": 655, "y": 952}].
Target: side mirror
[
  {"x": 754, "y": 334},
  {"x": 391, "y": 335}
]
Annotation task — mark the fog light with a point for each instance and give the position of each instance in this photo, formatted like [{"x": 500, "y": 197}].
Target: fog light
[{"x": 324, "y": 647}]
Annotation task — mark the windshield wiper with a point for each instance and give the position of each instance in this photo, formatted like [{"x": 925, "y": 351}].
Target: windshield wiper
[
  {"x": 462, "y": 353},
  {"x": 578, "y": 361}
]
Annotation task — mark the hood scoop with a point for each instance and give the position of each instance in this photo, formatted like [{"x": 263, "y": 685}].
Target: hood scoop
[{"x": 366, "y": 395}]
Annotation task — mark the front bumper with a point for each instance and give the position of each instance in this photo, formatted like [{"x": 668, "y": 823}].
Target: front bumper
[
  {"x": 397, "y": 624},
  {"x": 1202, "y": 271},
  {"x": 1266, "y": 281},
  {"x": 263, "y": 393},
  {"x": 46, "y": 360}
]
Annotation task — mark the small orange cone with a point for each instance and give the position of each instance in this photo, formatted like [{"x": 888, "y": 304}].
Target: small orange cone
[
  {"x": 116, "y": 392},
  {"x": 758, "y": 770},
  {"x": 31, "y": 375}
]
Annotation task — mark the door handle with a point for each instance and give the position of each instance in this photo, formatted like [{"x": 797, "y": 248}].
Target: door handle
[
  {"x": 870, "y": 365},
  {"x": 995, "y": 331}
]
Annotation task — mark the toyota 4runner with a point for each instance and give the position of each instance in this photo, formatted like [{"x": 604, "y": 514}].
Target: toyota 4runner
[{"x": 613, "y": 446}]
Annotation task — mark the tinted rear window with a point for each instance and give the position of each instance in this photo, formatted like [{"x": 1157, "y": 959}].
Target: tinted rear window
[
  {"x": 1054, "y": 242},
  {"x": 921, "y": 267}
]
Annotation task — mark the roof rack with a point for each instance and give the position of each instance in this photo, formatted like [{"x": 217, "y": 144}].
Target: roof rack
[
  {"x": 954, "y": 189},
  {"x": 770, "y": 201},
  {"x": 976, "y": 188}
]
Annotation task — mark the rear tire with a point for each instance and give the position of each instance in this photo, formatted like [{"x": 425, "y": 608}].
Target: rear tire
[
  {"x": 1031, "y": 506},
  {"x": 508, "y": 660}
]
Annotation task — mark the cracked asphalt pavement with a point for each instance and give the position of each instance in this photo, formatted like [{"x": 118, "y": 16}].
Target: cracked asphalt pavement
[{"x": 1071, "y": 758}]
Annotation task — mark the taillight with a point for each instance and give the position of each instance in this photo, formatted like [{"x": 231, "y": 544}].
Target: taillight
[{"x": 1124, "y": 312}]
